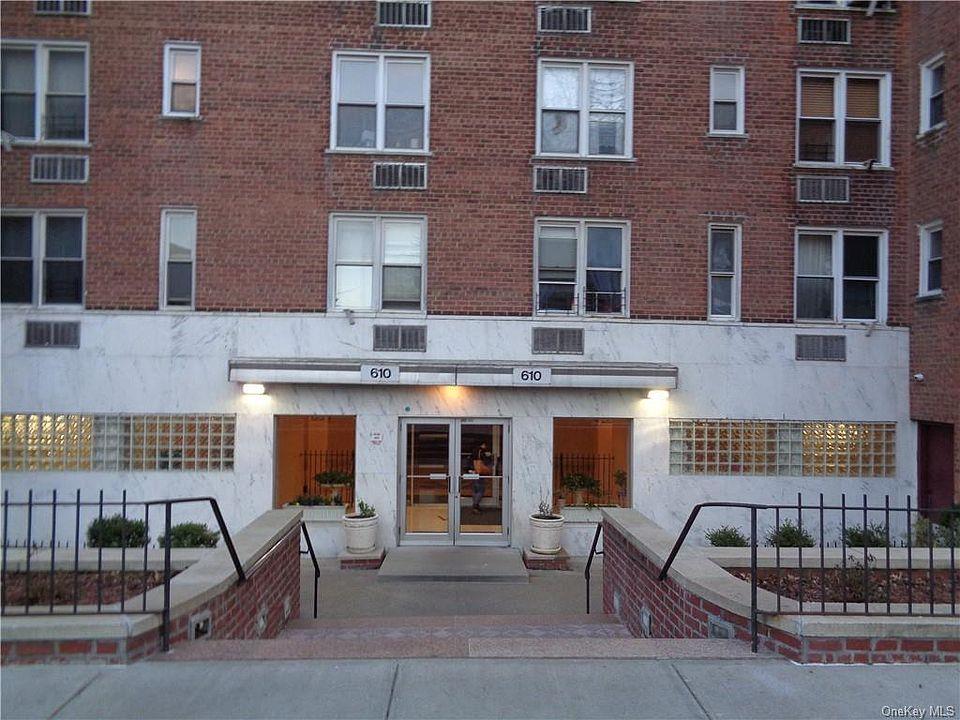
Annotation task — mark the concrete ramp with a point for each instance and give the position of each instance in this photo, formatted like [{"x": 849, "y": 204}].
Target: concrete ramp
[{"x": 453, "y": 564}]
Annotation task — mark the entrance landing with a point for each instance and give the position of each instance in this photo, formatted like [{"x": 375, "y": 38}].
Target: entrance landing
[{"x": 453, "y": 564}]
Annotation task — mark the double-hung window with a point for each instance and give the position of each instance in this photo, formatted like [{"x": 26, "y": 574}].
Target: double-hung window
[
  {"x": 41, "y": 261},
  {"x": 181, "y": 80},
  {"x": 178, "y": 248},
  {"x": 931, "y": 93},
  {"x": 931, "y": 258},
  {"x": 381, "y": 102},
  {"x": 724, "y": 248},
  {"x": 44, "y": 91},
  {"x": 581, "y": 266},
  {"x": 377, "y": 262},
  {"x": 726, "y": 101},
  {"x": 841, "y": 275},
  {"x": 843, "y": 117},
  {"x": 585, "y": 109}
]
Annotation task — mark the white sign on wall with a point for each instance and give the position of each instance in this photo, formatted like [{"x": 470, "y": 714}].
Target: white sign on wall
[
  {"x": 531, "y": 376},
  {"x": 380, "y": 374}
]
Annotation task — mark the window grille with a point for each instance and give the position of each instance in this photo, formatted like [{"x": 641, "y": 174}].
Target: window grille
[
  {"x": 53, "y": 334},
  {"x": 62, "y": 7},
  {"x": 823, "y": 189},
  {"x": 824, "y": 30},
  {"x": 782, "y": 447},
  {"x": 59, "y": 169},
  {"x": 550, "y": 340},
  {"x": 59, "y": 442},
  {"x": 557, "y": 18},
  {"x": 409, "y": 338},
  {"x": 560, "y": 179},
  {"x": 822, "y": 347},
  {"x": 411, "y": 13},
  {"x": 399, "y": 176}
]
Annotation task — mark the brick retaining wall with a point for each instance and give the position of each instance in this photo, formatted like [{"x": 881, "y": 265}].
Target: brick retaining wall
[{"x": 631, "y": 591}]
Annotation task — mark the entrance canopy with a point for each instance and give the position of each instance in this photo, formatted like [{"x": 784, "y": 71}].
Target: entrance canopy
[{"x": 380, "y": 371}]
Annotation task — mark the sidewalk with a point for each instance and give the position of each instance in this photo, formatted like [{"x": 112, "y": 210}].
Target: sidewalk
[{"x": 740, "y": 689}]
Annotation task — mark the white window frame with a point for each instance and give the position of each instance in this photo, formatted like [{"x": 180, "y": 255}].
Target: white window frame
[
  {"x": 801, "y": 41},
  {"x": 165, "y": 213},
  {"x": 735, "y": 275},
  {"x": 881, "y": 6},
  {"x": 41, "y": 63},
  {"x": 583, "y": 141},
  {"x": 840, "y": 78},
  {"x": 926, "y": 71},
  {"x": 925, "y": 236},
  {"x": 376, "y": 308},
  {"x": 38, "y": 231},
  {"x": 838, "y": 276},
  {"x": 168, "y": 48},
  {"x": 381, "y": 101},
  {"x": 580, "y": 285},
  {"x": 741, "y": 72}
]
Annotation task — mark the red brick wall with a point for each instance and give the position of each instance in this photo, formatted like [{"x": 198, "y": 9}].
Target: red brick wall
[
  {"x": 934, "y": 194},
  {"x": 630, "y": 585},
  {"x": 257, "y": 169},
  {"x": 234, "y": 615}
]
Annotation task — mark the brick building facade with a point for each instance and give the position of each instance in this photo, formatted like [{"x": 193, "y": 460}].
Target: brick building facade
[{"x": 263, "y": 176}]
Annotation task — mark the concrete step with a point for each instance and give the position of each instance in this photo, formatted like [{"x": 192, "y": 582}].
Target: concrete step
[
  {"x": 453, "y": 564},
  {"x": 456, "y": 620}
]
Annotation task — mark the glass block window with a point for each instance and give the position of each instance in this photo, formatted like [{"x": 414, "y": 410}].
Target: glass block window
[
  {"x": 782, "y": 447},
  {"x": 117, "y": 442}
]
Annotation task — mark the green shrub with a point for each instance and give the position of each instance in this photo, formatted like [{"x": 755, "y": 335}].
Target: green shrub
[
  {"x": 191, "y": 535},
  {"x": 311, "y": 500},
  {"x": 941, "y": 535},
  {"x": 114, "y": 532},
  {"x": 874, "y": 536},
  {"x": 364, "y": 510},
  {"x": 578, "y": 482},
  {"x": 726, "y": 536},
  {"x": 789, "y": 535},
  {"x": 333, "y": 477}
]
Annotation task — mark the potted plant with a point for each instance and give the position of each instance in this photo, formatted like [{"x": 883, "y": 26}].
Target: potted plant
[
  {"x": 336, "y": 480},
  {"x": 578, "y": 484},
  {"x": 360, "y": 529},
  {"x": 545, "y": 527}
]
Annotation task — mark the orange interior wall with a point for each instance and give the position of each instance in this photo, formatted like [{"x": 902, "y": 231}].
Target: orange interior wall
[{"x": 297, "y": 434}]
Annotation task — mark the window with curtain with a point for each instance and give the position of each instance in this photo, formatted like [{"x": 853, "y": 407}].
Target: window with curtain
[
  {"x": 179, "y": 229},
  {"x": 726, "y": 100},
  {"x": 382, "y": 102},
  {"x": 839, "y": 276},
  {"x": 932, "y": 93},
  {"x": 931, "y": 258},
  {"x": 843, "y": 117},
  {"x": 585, "y": 108},
  {"x": 378, "y": 262},
  {"x": 724, "y": 292},
  {"x": 580, "y": 267},
  {"x": 181, "y": 81},
  {"x": 43, "y": 91}
]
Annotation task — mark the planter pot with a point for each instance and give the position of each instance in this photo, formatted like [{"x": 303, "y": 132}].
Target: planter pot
[
  {"x": 322, "y": 513},
  {"x": 545, "y": 535},
  {"x": 361, "y": 533}
]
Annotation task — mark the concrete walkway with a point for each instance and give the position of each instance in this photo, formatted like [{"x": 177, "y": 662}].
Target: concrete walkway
[{"x": 451, "y": 688}]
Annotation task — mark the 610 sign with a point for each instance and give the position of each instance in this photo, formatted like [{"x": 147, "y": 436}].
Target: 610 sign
[
  {"x": 531, "y": 376},
  {"x": 380, "y": 374}
]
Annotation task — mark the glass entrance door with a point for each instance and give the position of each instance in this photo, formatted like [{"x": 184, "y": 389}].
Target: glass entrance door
[{"x": 454, "y": 484}]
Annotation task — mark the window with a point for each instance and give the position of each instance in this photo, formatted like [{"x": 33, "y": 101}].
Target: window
[
  {"x": 844, "y": 118},
  {"x": 783, "y": 447},
  {"x": 117, "y": 442},
  {"x": 824, "y": 30},
  {"x": 931, "y": 93},
  {"x": 726, "y": 101},
  {"x": 315, "y": 457},
  {"x": 381, "y": 102},
  {"x": 724, "y": 272},
  {"x": 841, "y": 275},
  {"x": 377, "y": 262},
  {"x": 178, "y": 242},
  {"x": 42, "y": 251},
  {"x": 931, "y": 259},
  {"x": 44, "y": 92},
  {"x": 591, "y": 461},
  {"x": 181, "y": 80},
  {"x": 585, "y": 109},
  {"x": 580, "y": 266},
  {"x": 406, "y": 13}
]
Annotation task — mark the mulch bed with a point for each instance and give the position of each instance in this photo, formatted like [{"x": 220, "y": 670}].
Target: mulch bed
[
  {"x": 903, "y": 584},
  {"x": 86, "y": 587}
]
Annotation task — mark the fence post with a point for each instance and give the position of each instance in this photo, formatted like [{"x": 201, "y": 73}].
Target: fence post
[
  {"x": 166, "y": 576},
  {"x": 753, "y": 579}
]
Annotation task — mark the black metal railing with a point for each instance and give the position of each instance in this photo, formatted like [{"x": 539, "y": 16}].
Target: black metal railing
[
  {"x": 600, "y": 467},
  {"x": 316, "y": 463},
  {"x": 133, "y": 545},
  {"x": 316, "y": 567},
  {"x": 593, "y": 553},
  {"x": 868, "y": 589}
]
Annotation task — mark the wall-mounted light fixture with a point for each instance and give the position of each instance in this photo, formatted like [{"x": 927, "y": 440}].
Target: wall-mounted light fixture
[
  {"x": 253, "y": 389},
  {"x": 658, "y": 394}
]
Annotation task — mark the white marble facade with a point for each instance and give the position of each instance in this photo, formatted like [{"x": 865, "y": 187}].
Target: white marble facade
[{"x": 177, "y": 362}]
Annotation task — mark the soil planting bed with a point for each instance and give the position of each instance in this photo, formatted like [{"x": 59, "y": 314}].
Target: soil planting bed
[
  {"x": 903, "y": 584},
  {"x": 86, "y": 584}
]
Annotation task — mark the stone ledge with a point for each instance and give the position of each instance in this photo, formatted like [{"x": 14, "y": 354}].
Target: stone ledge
[{"x": 538, "y": 561}]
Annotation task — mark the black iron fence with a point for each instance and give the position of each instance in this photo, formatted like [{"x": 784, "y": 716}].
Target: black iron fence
[
  {"x": 53, "y": 576},
  {"x": 864, "y": 579},
  {"x": 329, "y": 474},
  {"x": 611, "y": 486}
]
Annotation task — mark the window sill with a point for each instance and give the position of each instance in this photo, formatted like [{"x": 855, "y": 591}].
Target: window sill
[
  {"x": 586, "y": 158},
  {"x": 929, "y": 296},
  {"x": 840, "y": 166},
  {"x": 932, "y": 130},
  {"x": 568, "y": 316},
  {"x": 378, "y": 314},
  {"x": 43, "y": 308},
  {"x": 722, "y": 320},
  {"x": 75, "y": 144},
  {"x": 733, "y": 135},
  {"x": 188, "y": 118},
  {"x": 375, "y": 151}
]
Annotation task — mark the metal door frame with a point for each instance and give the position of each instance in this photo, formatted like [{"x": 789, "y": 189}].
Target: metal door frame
[{"x": 453, "y": 535}]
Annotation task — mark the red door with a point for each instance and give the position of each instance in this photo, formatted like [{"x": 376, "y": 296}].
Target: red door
[{"x": 935, "y": 465}]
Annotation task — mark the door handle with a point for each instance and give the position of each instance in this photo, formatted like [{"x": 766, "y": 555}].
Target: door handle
[{"x": 438, "y": 476}]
